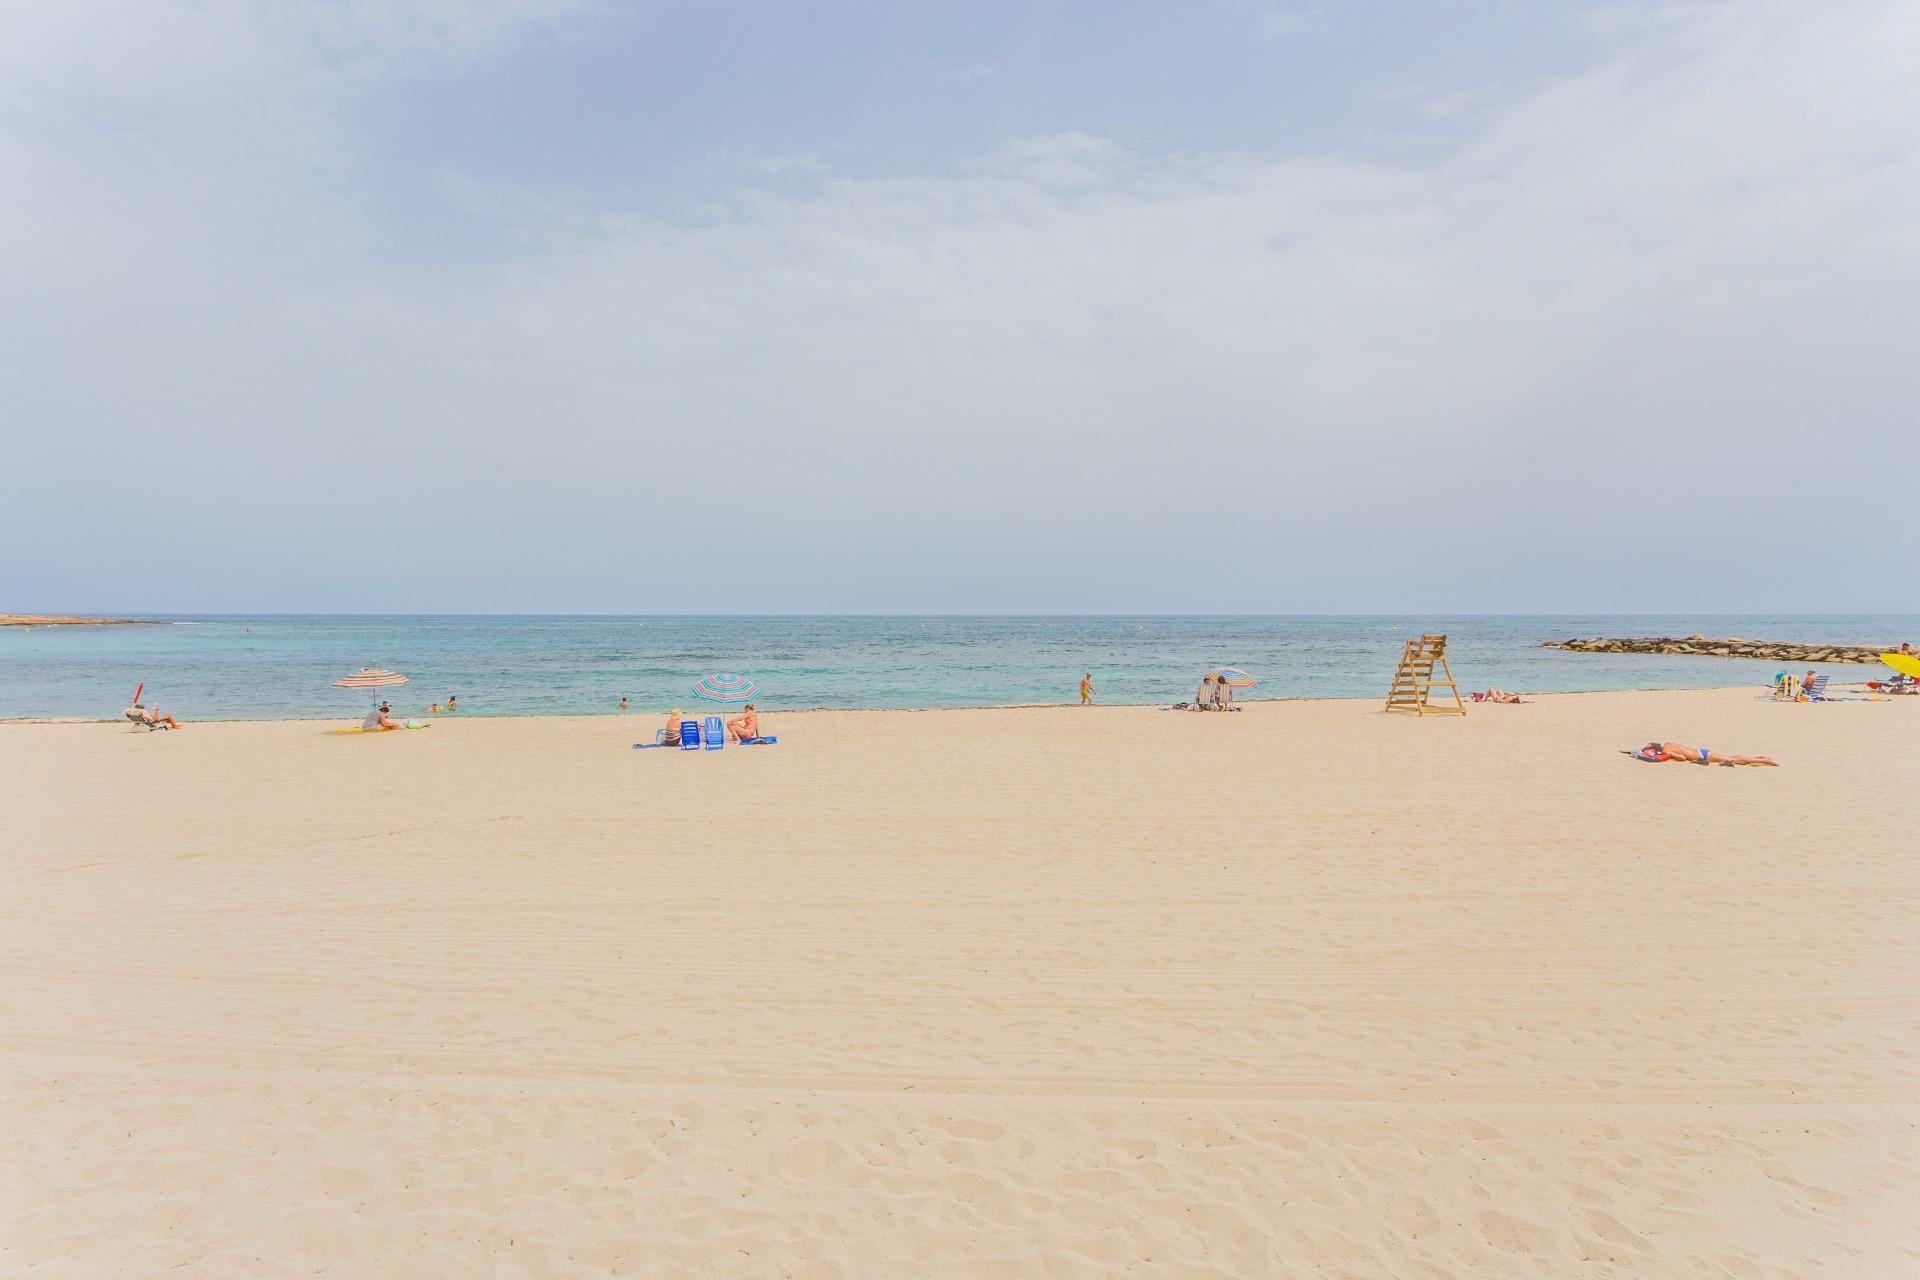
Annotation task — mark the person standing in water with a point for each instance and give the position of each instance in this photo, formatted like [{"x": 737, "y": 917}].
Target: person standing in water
[
  {"x": 1086, "y": 689},
  {"x": 623, "y": 702}
]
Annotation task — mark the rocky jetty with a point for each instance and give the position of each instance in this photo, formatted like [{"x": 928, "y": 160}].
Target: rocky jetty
[
  {"x": 67, "y": 620},
  {"x": 1730, "y": 647}
]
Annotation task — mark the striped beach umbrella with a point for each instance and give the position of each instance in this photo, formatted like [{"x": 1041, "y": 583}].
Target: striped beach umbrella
[
  {"x": 725, "y": 686},
  {"x": 1233, "y": 677},
  {"x": 369, "y": 678}
]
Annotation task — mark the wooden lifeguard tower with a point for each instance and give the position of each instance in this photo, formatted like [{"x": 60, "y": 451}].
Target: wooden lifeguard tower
[{"x": 1413, "y": 683}]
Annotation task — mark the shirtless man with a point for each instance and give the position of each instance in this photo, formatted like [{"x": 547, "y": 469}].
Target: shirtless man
[
  {"x": 1661, "y": 752},
  {"x": 745, "y": 726}
]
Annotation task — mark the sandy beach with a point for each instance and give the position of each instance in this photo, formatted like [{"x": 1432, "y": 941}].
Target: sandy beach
[{"x": 1309, "y": 990}]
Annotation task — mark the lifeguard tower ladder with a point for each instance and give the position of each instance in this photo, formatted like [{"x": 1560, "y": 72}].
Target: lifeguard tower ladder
[{"x": 1413, "y": 683}]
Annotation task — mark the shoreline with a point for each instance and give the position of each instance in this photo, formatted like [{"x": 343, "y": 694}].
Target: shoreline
[{"x": 723, "y": 712}]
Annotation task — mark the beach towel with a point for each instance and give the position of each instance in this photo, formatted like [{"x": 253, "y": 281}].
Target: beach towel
[{"x": 758, "y": 742}]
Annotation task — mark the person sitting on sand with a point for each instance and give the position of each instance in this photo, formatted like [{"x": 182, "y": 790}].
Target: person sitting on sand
[
  {"x": 673, "y": 728},
  {"x": 381, "y": 717},
  {"x": 1680, "y": 753},
  {"x": 744, "y": 726}
]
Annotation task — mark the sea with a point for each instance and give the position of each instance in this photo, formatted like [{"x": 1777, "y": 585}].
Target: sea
[{"x": 274, "y": 666}]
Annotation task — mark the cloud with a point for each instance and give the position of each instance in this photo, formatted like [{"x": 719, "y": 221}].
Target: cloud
[
  {"x": 966, "y": 73},
  {"x": 1583, "y": 360},
  {"x": 1277, "y": 23},
  {"x": 1060, "y": 160}
]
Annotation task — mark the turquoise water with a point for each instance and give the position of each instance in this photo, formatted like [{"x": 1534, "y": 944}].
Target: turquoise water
[{"x": 273, "y": 667}]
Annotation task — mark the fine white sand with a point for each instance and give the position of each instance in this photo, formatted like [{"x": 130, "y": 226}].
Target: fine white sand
[{"x": 1309, "y": 990}]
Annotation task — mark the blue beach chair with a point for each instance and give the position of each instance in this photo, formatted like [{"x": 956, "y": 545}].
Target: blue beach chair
[
  {"x": 689, "y": 735},
  {"x": 716, "y": 733}
]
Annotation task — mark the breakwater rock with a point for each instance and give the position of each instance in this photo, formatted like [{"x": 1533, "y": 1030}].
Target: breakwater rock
[
  {"x": 67, "y": 620},
  {"x": 1730, "y": 647}
]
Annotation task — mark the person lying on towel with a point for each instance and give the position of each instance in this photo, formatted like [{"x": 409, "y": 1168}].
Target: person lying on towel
[{"x": 1663, "y": 752}]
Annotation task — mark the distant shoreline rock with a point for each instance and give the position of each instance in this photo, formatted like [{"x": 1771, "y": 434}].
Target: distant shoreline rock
[
  {"x": 63, "y": 620},
  {"x": 1730, "y": 647}
]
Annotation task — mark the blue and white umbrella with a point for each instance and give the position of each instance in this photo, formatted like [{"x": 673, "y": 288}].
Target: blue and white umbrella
[{"x": 725, "y": 686}]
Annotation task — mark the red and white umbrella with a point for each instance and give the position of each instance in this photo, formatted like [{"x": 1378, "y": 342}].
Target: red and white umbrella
[{"x": 369, "y": 678}]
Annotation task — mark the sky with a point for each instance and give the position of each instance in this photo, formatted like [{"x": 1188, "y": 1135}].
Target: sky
[{"x": 1221, "y": 307}]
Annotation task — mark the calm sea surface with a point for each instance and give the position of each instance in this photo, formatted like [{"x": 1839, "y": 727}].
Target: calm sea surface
[{"x": 274, "y": 667}]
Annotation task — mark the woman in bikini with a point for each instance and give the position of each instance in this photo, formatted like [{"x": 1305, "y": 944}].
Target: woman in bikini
[{"x": 1662, "y": 752}]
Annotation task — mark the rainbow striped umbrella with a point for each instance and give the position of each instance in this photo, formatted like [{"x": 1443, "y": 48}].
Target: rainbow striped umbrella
[
  {"x": 369, "y": 678},
  {"x": 725, "y": 686},
  {"x": 1233, "y": 677}
]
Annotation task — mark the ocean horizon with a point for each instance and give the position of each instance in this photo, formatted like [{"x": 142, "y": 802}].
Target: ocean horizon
[{"x": 281, "y": 666}]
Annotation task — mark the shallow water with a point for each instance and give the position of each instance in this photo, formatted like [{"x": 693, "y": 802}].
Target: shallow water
[{"x": 276, "y": 666}]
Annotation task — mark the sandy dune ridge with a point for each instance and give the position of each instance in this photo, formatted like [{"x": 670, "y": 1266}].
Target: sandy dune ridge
[{"x": 1306, "y": 990}]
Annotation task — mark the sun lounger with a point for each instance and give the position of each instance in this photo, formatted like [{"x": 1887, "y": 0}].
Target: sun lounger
[
  {"x": 1815, "y": 689},
  {"x": 142, "y": 718},
  {"x": 689, "y": 735},
  {"x": 714, "y": 729}
]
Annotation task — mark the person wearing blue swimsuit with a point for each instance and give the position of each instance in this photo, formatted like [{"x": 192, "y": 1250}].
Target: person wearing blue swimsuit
[{"x": 1662, "y": 752}]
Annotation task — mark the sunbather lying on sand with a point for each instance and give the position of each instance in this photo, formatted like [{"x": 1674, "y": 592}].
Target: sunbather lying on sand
[
  {"x": 1497, "y": 695},
  {"x": 1661, "y": 752}
]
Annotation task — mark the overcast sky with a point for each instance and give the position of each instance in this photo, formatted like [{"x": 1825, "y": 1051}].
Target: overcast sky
[{"x": 531, "y": 305}]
